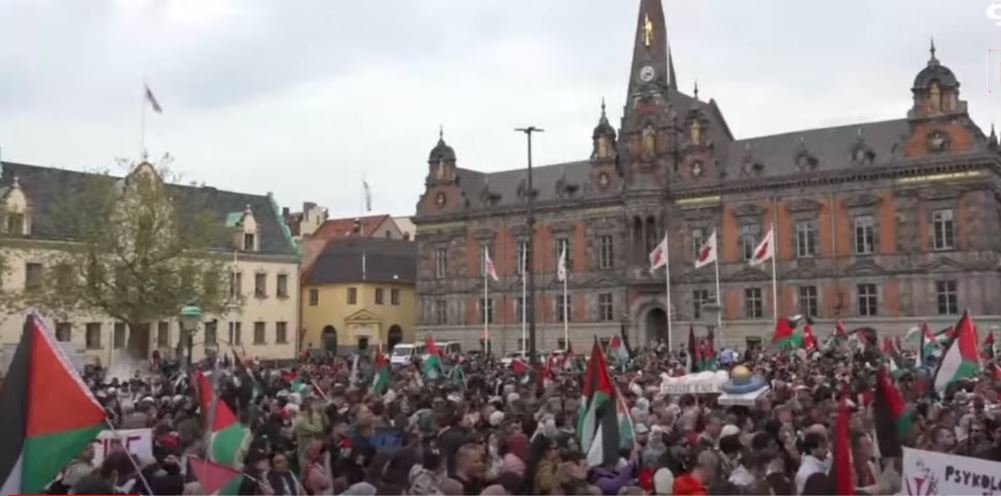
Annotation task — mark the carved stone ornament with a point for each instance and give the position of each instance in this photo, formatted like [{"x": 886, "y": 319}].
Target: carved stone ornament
[
  {"x": 697, "y": 168},
  {"x": 862, "y": 153},
  {"x": 938, "y": 141},
  {"x": 748, "y": 210},
  {"x": 603, "y": 179},
  {"x": 803, "y": 205},
  {"x": 805, "y": 160}
]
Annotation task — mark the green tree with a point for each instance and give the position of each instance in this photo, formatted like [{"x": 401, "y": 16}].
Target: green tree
[{"x": 142, "y": 249}]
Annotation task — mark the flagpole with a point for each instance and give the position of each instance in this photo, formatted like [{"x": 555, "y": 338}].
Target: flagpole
[
  {"x": 775, "y": 284},
  {"x": 667, "y": 287},
  {"x": 486, "y": 304},
  {"x": 719, "y": 294},
  {"x": 566, "y": 320},
  {"x": 142, "y": 124},
  {"x": 524, "y": 301}
]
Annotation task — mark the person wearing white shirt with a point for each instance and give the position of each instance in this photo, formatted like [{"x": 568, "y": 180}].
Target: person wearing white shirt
[{"x": 814, "y": 459}]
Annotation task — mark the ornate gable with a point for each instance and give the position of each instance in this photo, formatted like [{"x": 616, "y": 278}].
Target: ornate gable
[{"x": 361, "y": 317}]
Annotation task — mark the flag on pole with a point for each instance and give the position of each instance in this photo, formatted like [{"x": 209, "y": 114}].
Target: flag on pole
[
  {"x": 617, "y": 351},
  {"x": 707, "y": 252},
  {"x": 694, "y": 352},
  {"x": 988, "y": 346},
  {"x": 809, "y": 340},
  {"x": 785, "y": 336},
  {"x": 47, "y": 414},
  {"x": 213, "y": 477},
  {"x": 709, "y": 352},
  {"x": 960, "y": 359},
  {"x": 839, "y": 329},
  {"x": 380, "y": 383},
  {"x": 152, "y": 99},
  {"x": 488, "y": 266},
  {"x": 368, "y": 195},
  {"x": 765, "y": 249},
  {"x": 561, "y": 269},
  {"x": 841, "y": 469},
  {"x": 227, "y": 434},
  {"x": 598, "y": 427},
  {"x": 889, "y": 415},
  {"x": 432, "y": 364},
  {"x": 658, "y": 257}
]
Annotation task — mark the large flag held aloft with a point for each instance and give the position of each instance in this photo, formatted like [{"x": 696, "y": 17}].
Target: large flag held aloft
[
  {"x": 960, "y": 359},
  {"x": 889, "y": 414},
  {"x": 380, "y": 383},
  {"x": 47, "y": 414},
  {"x": 432, "y": 364},
  {"x": 228, "y": 435},
  {"x": 598, "y": 420}
]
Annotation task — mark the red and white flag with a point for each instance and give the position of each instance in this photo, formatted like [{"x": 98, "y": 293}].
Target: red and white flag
[
  {"x": 152, "y": 100},
  {"x": 765, "y": 249},
  {"x": 488, "y": 266},
  {"x": 658, "y": 257},
  {"x": 707, "y": 252}
]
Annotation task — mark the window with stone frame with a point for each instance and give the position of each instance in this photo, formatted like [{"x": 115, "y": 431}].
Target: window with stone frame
[
  {"x": 33, "y": 274},
  {"x": 249, "y": 241},
  {"x": 440, "y": 311},
  {"x": 314, "y": 297},
  {"x": 606, "y": 307},
  {"x": 558, "y": 246},
  {"x": 235, "y": 333},
  {"x": 352, "y": 296},
  {"x": 485, "y": 310},
  {"x": 749, "y": 239},
  {"x": 212, "y": 332},
  {"x": 259, "y": 330},
  {"x": 806, "y": 240},
  {"x": 281, "y": 332},
  {"x": 559, "y": 308},
  {"x": 440, "y": 262},
  {"x": 235, "y": 284},
  {"x": 700, "y": 298},
  {"x": 698, "y": 239},
  {"x": 947, "y": 296},
  {"x": 865, "y": 235},
  {"x": 15, "y": 224},
  {"x": 606, "y": 251},
  {"x": 868, "y": 300},
  {"x": 808, "y": 301},
  {"x": 943, "y": 237},
  {"x": 753, "y": 303},
  {"x": 64, "y": 332},
  {"x": 521, "y": 257},
  {"x": 163, "y": 334},
  {"x": 118, "y": 340},
  {"x": 261, "y": 285},
  {"x": 394, "y": 296},
  {"x": 380, "y": 298},
  {"x": 282, "y": 284},
  {"x": 93, "y": 336}
]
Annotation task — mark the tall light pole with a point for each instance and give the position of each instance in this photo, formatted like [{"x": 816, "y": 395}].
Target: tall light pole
[
  {"x": 529, "y": 266},
  {"x": 190, "y": 317}
]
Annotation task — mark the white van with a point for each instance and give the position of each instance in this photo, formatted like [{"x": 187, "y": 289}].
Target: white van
[
  {"x": 450, "y": 348},
  {"x": 404, "y": 354}
]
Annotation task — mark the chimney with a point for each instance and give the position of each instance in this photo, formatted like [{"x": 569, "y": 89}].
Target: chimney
[
  {"x": 357, "y": 226},
  {"x": 285, "y": 212}
]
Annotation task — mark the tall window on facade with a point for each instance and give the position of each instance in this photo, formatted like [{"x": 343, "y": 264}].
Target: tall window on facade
[
  {"x": 488, "y": 304},
  {"x": 259, "y": 332},
  {"x": 32, "y": 276},
  {"x": 235, "y": 332},
  {"x": 606, "y": 255},
  {"x": 281, "y": 332},
  {"x": 942, "y": 237},
  {"x": 698, "y": 239},
  {"x": 606, "y": 308},
  {"x": 808, "y": 301},
  {"x": 440, "y": 311},
  {"x": 212, "y": 332},
  {"x": 440, "y": 263},
  {"x": 521, "y": 257},
  {"x": 314, "y": 297},
  {"x": 93, "y": 336},
  {"x": 948, "y": 297},
  {"x": 163, "y": 334},
  {"x": 15, "y": 224},
  {"x": 865, "y": 235},
  {"x": 868, "y": 300},
  {"x": 119, "y": 337},
  {"x": 248, "y": 241},
  {"x": 700, "y": 298},
  {"x": 261, "y": 285},
  {"x": 352, "y": 296},
  {"x": 235, "y": 284},
  {"x": 282, "y": 285},
  {"x": 394, "y": 296},
  {"x": 748, "y": 240},
  {"x": 559, "y": 308},
  {"x": 558, "y": 247},
  {"x": 806, "y": 240},
  {"x": 64, "y": 332},
  {"x": 519, "y": 308},
  {"x": 379, "y": 296},
  {"x": 753, "y": 303}
]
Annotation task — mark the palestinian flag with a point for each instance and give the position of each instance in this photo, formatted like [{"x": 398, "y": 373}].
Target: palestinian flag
[
  {"x": 627, "y": 430},
  {"x": 785, "y": 336},
  {"x": 694, "y": 352},
  {"x": 432, "y": 364},
  {"x": 841, "y": 469},
  {"x": 380, "y": 383},
  {"x": 597, "y": 420},
  {"x": 960, "y": 359},
  {"x": 617, "y": 351},
  {"x": 890, "y": 354},
  {"x": 518, "y": 366},
  {"x": 228, "y": 435},
  {"x": 47, "y": 414},
  {"x": 891, "y": 419},
  {"x": 928, "y": 343},
  {"x": 568, "y": 357},
  {"x": 988, "y": 346},
  {"x": 839, "y": 330},
  {"x": 709, "y": 352},
  {"x": 809, "y": 341},
  {"x": 215, "y": 478}
]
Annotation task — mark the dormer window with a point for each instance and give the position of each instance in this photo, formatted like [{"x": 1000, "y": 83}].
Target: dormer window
[
  {"x": 249, "y": 242},
  {"x": 15, "y": 220},
  {"x": 15, "y": 224},
  {"x": 246, "y": 234}
]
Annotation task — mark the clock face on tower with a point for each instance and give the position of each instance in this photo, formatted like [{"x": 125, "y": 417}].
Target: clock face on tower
[{"x": 647, "y": 73}]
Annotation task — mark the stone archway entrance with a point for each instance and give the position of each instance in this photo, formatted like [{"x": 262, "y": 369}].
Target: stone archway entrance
[
  {"x": 394, "y": 337},
  {"x": 329, "y": 340},
  {"x": 656, "y": 325}
]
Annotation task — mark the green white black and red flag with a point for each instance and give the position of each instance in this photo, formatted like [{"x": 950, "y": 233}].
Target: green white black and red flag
[
  {"x": 890, "y": 415},
  {"x": 598, "y": 420},
  {"x": 785, "y": 336},
  {"x": 960, "y": 360},
  {"x": 841, "y": 468},
  {"x": 431, "y": 366},
  {"x": 215, "y": 478},
  {"x": 618, "y": 351},
  {"x": 988, "y": 346},
  {"x": 227, "y": 436},
  {"x": 809, "y": 340},
  {"x": 47, "y": 414},
  {"x": 380, "y": 383},
  {"x": 694, "y": 352}
]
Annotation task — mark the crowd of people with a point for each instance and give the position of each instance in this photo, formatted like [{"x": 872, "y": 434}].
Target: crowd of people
[{"x": 482, "y": 427}]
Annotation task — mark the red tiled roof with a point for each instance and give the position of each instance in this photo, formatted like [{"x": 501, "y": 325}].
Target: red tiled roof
[{"x": 341, "y": 228}]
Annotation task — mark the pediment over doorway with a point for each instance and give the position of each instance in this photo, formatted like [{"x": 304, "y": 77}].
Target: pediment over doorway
[{"x": 361, "y": 317}]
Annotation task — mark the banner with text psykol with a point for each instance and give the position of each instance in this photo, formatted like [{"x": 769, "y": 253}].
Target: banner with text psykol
[
  {"x": 139, "y": 442},
  {"x": 927, "y": 473}
]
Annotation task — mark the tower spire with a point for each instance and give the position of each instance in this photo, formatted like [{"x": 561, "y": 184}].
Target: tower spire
[
  {"x": 696, "y": 90},
  {"x": 653, "y": 67},
  {"x": 932, "y": 50}
]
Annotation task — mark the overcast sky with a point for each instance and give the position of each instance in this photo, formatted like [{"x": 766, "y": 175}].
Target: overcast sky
[{"x": 305, "y": 97}]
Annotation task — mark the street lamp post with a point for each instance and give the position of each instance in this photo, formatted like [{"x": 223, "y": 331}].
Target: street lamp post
[
  {"x": 529, "y": 266},
  {"x": 190, "y": 317}
]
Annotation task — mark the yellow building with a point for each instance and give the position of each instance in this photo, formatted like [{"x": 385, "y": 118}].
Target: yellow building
[{"x": 359, "y": 292}]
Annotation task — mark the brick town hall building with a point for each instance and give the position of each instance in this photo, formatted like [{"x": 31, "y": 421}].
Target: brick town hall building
[{"x": 883, "y": 223}]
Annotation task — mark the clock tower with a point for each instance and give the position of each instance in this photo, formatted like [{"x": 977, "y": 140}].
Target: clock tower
[{"x": 652, "y": 69}]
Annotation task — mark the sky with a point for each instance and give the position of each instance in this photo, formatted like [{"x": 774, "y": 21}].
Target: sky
[{"x": 308, "y": 98}]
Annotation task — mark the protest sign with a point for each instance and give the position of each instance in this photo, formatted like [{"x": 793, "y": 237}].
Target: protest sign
[
  {"x": 929, "y": 473},
  {"x": 139, "y": 442}
]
